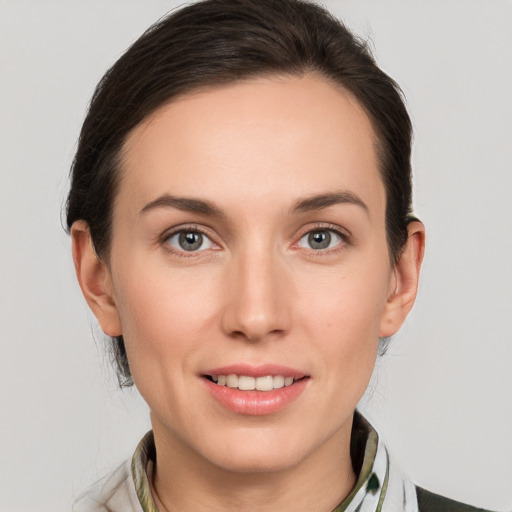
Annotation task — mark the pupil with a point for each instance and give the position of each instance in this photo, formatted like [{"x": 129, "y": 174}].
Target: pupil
[
  {"x": 320, "y": 239},
  {"x": 191, "y": 241}
]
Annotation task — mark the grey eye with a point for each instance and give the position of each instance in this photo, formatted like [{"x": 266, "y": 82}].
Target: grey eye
[
  {"x": 189, "y": 241},
  {"x": 320, "y": 239}
]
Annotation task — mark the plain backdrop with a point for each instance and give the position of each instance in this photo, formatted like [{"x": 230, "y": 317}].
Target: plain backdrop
[{"x": 441, "y": 397}]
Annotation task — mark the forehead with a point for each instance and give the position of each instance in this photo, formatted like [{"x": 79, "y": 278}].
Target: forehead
[{"x": 279, "y": 138}]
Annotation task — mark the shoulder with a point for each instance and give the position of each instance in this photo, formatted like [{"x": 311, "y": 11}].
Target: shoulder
[
  {"x": 430, "y": 502},
  {"x": 113, "y": 493}
]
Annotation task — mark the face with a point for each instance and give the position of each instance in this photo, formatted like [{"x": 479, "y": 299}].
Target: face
[{"x": 249, "y": 248}]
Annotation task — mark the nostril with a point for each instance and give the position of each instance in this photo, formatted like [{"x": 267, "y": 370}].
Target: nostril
[{"x": 252, "y": 335}]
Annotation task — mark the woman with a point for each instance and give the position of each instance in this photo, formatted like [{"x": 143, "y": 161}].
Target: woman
[{"x": 240, "y": 214}]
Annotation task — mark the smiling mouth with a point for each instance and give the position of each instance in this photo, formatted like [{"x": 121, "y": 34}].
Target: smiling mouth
[{"x": 248, "y": 383}]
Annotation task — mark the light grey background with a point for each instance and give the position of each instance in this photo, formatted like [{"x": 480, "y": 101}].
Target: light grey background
[{"x": 441, "y": 397}]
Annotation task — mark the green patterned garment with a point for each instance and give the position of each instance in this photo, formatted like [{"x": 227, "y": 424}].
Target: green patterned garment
[{"x": 380, "y": 487}]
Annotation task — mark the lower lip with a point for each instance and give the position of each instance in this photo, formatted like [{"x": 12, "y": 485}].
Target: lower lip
[{"x": 255, "y": 403}]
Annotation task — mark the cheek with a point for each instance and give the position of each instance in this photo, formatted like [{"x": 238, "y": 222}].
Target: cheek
[
  {"x": 348, "y": 301},
  {"x": 343, "y": 318},
  {"x": 163, "y": 315}
]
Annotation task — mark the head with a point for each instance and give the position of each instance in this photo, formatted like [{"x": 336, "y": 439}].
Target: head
[
  {"x": 212, "y": 43},
  {"x": 187, "y": 121}
]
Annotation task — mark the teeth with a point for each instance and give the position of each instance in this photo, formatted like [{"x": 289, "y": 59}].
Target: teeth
[
  {"x": 278, "y": 381},
  {"x": 246, "y": 383},
  {"x": 265, "y": 383},
  {"x": 232, "y": 381}
]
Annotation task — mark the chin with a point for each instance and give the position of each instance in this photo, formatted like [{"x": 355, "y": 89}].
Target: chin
[
  {"x": 257, "y": 462},
  {"x": 245, "y": 455}
]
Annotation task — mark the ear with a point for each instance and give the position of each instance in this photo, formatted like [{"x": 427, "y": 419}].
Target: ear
[
  {"x": 407, "y": 272},
  {"x": 94, "y": 279}
]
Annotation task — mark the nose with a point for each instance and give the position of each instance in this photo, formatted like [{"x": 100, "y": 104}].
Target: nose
[{"x": 258, "y": 297}]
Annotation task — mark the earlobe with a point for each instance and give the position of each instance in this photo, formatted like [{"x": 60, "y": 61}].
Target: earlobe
[
  {"x": 407, "y": 272},
  {"x": 94, "y": 279}
]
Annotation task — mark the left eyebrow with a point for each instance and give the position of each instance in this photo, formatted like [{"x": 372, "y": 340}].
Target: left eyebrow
[{"x": 320, "y": 201}]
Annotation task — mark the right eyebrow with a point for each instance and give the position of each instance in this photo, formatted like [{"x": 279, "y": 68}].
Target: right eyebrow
[{"x": 185, "y": 204}]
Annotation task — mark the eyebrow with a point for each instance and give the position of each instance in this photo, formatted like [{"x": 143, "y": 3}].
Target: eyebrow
[
  {"x": 320, "y": 201},
  {"x": 207, "y": 208},
  {"x": 186, "y": 204}
]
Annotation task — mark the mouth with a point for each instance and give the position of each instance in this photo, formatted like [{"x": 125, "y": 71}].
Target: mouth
[
  {"x": 263, "y": 383},
  {"x": 255, "y": 390}
]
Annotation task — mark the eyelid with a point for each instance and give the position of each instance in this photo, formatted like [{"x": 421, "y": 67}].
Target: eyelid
[
  {"x": 194, "y": 228},
  {"x": 327, "y": 226},
  {"x": 343, "y": 233}
]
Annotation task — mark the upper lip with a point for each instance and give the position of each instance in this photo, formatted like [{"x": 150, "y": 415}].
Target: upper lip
[{"x": 261, "y": 370}]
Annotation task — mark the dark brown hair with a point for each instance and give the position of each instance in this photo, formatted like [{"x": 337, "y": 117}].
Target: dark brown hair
[{"x": 215, "y": 42}]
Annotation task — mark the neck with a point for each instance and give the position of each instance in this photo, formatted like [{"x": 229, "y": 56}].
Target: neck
[{"x": 183, "y": 480}]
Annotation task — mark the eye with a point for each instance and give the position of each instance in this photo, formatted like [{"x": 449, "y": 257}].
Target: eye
[
  {"x": 320, "y": 239},
  {"x": 190, "y": 241}
]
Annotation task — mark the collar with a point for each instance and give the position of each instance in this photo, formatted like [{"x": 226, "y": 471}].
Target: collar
[
  {"x": 380, "y": 487},
  {"x": 143, "y": 459}
]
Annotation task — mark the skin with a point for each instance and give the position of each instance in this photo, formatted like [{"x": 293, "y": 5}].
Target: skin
[{"x": 257, "y": 291}]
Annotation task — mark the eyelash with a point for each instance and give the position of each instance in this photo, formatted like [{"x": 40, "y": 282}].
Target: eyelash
[
  {"x": 193, "y": 228},
  {"x": 344, "y": 237}
]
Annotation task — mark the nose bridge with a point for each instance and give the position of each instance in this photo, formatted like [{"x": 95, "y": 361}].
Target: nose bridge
[{"x": 257, "y": 303}]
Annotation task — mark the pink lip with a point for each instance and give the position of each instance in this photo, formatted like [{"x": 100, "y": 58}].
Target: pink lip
[{"x": 256, "y": 403}]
